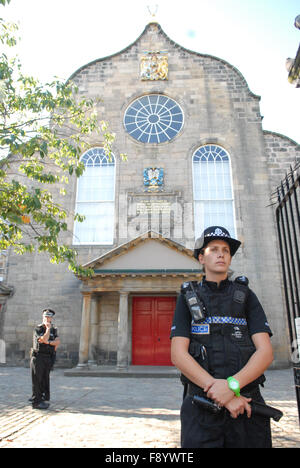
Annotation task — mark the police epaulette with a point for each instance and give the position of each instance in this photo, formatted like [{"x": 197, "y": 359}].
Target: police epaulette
[
  {"x": 242, "y": 280},
  {"x": 242, "y": 289}
]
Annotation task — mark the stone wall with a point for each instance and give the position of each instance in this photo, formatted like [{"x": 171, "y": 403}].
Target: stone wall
[
  {"x": 218, "y": 108},
  {"x": 281, "y": 155}
]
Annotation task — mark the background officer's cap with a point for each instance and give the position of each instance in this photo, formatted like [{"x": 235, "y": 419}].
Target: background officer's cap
[
  {"x": 215, "y": 233},
  {"x": 48, "y": 313}
]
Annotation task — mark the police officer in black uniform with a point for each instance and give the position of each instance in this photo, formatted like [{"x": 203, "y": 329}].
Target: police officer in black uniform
[
  {"x": 45, "y": 343},
  {"x": 221, "y": 344}
]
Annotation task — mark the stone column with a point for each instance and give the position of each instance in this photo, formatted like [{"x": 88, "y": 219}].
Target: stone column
[
  {"x": 85, "y": 330},
  {"x": 93, "y": 331},
  {"x": 122, "y": 355}
]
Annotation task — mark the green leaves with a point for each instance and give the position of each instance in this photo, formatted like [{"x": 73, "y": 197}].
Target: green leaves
[{"x": 44, "y": 129}]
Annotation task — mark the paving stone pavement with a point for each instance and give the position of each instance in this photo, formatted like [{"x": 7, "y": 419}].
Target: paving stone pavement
[{"x": 110, "y": 412}]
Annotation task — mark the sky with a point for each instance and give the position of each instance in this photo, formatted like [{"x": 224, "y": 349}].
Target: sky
[{"x": 255, "y": 36}]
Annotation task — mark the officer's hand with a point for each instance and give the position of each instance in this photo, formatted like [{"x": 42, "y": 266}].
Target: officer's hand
[
  {"x": 220, "y": 392},
  {"x": 238, "y": 405}
]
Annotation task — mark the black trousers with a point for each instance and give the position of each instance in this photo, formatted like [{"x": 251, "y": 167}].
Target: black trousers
[
  {"x": 40, "y": 366},
  {"x": 202, "y": 429}
]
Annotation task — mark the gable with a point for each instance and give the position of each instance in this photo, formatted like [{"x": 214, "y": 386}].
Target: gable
[
  {"x": 150, "y": 253},
  {"x": 153, "y": 33}
]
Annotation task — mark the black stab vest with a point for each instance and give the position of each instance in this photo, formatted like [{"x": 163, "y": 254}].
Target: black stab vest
[
  {"x": 43, "y": 348},
  {"x": 222, "y": 344}
]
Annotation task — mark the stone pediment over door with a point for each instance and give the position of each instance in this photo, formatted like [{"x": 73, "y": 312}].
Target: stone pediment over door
[{"x": 148, "y": 254}]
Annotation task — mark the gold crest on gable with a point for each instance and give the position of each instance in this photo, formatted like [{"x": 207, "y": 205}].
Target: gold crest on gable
[{"x": 154, "y": 66}]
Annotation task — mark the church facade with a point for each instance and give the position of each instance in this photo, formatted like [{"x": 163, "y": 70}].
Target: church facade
[{"x": 196, "y": 156}]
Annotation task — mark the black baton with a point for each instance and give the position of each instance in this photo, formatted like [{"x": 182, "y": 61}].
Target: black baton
[{"x": 256, "y": 408}]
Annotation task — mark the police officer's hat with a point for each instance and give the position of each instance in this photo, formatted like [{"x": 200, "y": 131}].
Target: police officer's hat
[
  {"x": 48, "y": 313},
  {"x": 215, "y": 233}
]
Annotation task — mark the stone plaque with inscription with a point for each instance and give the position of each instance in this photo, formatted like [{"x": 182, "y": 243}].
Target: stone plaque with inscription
[{"x": 160, "y": 212}]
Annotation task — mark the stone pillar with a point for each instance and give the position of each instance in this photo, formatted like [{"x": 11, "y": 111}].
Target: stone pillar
[
  {"x": 93, "y": 331},
  {"x": 85, "y": 330},
  {"x": 122, "y": 355}
]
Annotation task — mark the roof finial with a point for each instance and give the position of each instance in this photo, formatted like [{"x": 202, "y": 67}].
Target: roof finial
[{"x": 153, "y": 12}]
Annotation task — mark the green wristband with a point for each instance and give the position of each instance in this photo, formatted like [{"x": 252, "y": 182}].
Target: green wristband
[{"x": 234, "y": 385}]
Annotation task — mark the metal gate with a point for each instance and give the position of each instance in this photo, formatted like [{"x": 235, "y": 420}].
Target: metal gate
[{"x": 288, "y": 225}]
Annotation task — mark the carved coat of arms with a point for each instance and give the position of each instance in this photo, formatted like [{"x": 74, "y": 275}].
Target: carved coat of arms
[
  {"x": 154, "y": 66},
  {"x": 153, "y": 178}
]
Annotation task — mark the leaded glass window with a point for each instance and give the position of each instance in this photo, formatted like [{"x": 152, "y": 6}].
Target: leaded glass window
[
  {"x": 95, "y": 199},
  {"x": 154, "y": 118},
  {"x": 213, "y": 194}
]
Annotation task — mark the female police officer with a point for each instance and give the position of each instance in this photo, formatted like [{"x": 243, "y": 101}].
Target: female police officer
[{"x": 223, "y": 353}]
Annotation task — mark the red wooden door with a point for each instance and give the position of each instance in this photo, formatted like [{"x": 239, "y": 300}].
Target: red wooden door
[{"x": 151, "y": 325}]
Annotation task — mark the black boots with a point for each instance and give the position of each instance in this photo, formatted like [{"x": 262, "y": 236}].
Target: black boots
[{"x": 42, "y": 405}]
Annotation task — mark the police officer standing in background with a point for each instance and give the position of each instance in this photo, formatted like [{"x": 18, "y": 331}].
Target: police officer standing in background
[
  {"x": 221, "y": 344},
  {"x": 45, "y": 343}
]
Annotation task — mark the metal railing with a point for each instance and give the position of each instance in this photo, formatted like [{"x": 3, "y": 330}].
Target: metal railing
[{"x": 287, "y": 198}]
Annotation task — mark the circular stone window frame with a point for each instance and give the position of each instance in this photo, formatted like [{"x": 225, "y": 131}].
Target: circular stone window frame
[{"x": 149, "y": 119}]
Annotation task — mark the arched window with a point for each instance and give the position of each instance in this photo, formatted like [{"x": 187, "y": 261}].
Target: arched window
[
  {"x": 96, "y": 199},
  {"x": 213, "y": 194}
]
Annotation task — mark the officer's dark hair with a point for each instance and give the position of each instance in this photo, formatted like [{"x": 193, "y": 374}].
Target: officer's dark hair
[{"x": 202, "y": 253}]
